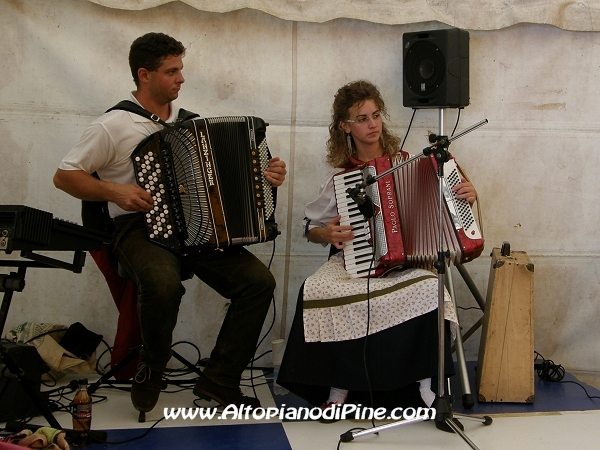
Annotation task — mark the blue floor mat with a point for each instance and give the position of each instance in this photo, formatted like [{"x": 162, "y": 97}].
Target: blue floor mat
[
  {"x": 549, "y": 396},
  {"x": 219, "y": 437}
]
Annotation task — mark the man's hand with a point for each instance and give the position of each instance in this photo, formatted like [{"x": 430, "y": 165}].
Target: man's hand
[
  {"x": 275, "y": 173},
  {"x": 84, "y": 186},
  {"x": 132, "y": 197}
]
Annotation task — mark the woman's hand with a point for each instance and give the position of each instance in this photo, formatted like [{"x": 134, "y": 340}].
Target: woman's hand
[
  {"x": 466, "y": 190},
  {"x": 333, "y": 233}
]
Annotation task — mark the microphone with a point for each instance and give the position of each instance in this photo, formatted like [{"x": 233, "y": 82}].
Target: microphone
[{"x": 362, "y": 200}]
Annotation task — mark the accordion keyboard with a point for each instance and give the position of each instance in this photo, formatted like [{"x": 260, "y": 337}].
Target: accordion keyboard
[{"x": 358, "y": 253}]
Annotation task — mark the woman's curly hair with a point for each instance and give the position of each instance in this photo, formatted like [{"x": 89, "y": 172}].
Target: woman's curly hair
[{"x": 356, "y": 92}]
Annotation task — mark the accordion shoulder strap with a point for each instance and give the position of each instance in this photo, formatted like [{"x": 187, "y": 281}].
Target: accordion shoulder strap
[{"x": 128, "y": 105}]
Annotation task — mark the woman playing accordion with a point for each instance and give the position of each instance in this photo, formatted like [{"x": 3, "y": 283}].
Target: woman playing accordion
[{"x": 372, "y": 341}]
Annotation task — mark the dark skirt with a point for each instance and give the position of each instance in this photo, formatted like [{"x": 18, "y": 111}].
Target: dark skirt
[{"x": 390, "y": 362}]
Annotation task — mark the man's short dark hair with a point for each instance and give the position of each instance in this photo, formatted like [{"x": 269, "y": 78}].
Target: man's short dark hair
[{"x": 149, "y": 50}]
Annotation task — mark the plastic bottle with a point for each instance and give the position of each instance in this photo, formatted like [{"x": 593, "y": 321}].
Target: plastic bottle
[{"x": 82, "y": 415}]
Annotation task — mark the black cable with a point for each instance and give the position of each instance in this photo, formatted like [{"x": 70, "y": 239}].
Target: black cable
[
  {"x": 464, "y": 308},
  {"x": 408, "y": 129},
  {"x": 184, "y": 370},
  {"x": 374, "y": 235},
  {"x": 457, "y": 120},
  {"x": 44, "y": 334},
  {"x": 347, "y": 436},
  {"x": 266, "y": 332},
  {"x": 136, "y": 437},
  {"x": 98, "y": 358},
  {"x": 547, "y": 370},
  {"x": 256, "y": 358},
  {"x": 52, "y": 380}
]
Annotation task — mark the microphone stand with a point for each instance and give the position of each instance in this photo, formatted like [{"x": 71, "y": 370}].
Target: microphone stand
[{"x": 444, "y": 418}]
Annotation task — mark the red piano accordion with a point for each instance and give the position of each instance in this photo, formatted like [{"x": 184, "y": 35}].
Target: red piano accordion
[{"x": 405, "y": 228}]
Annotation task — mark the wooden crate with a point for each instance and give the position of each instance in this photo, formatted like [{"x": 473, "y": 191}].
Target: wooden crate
[{"x": 506, "y": 355}]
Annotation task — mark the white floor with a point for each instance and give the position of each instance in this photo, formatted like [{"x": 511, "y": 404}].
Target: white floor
[{"x": 561, "y": 430}]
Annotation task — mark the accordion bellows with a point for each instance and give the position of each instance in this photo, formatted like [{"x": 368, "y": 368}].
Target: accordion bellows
[
  {"x": 206, "y": 179},
  {"x": 405, "y": 231}
]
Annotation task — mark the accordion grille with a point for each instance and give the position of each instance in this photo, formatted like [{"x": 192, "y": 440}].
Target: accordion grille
[{"x": 191, "y": 186}]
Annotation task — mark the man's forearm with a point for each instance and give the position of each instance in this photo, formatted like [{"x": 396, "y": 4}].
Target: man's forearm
[{"x": 82, "y": 185}]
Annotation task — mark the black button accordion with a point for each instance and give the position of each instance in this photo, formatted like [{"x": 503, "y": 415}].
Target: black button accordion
[{"x": 206, "y": 179}]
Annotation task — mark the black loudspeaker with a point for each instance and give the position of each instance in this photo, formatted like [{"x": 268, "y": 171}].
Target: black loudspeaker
[
  {"x": 436, "y": 68},
  {"x": 15, "y": 404}
]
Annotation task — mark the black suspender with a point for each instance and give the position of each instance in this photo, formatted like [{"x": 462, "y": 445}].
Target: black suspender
[{"x": 128, "y": 105}]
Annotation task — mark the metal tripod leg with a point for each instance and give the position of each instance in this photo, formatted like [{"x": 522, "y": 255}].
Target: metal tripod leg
[
  {"x": 467, "y": 397},
  {"x": 471, "y": 285},
  {"x": 444, "y": 420},
  {"x": 461, "y": 433}
]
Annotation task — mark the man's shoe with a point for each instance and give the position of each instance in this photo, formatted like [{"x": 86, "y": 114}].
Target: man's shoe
[
  {"x": 145, "y": 388},
  {"x": 225, "y": 396}
]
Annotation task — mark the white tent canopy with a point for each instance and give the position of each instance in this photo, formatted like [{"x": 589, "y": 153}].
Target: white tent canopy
[{"x": 467, "y": 14}]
